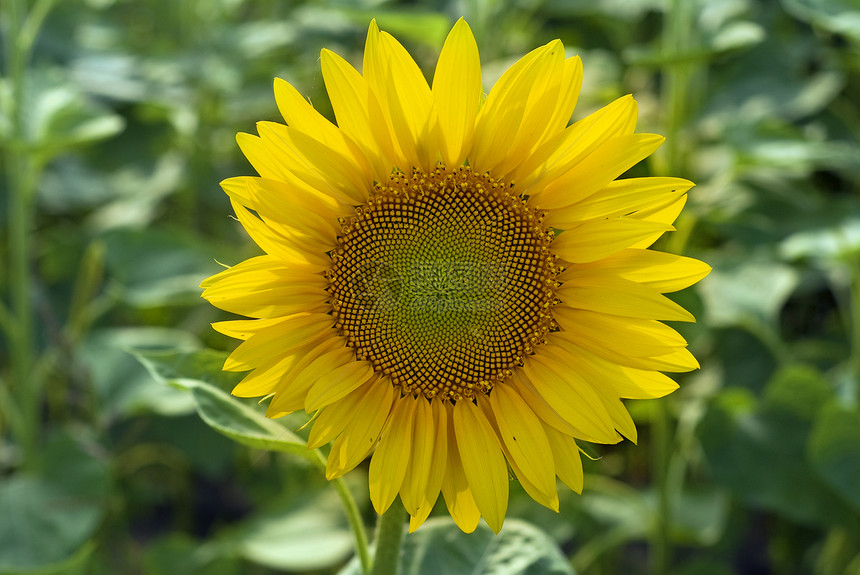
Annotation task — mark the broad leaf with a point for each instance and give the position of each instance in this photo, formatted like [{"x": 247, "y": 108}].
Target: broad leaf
[
  {"x": 440, "y": 547},
  {"x": 223, "y": 413}
]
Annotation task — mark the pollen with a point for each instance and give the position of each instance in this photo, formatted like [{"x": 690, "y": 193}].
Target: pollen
[{"x": 444, "y": 282}]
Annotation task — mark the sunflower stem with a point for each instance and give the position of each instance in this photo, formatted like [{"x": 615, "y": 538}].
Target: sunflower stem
[
  {"x": 854, "y": 303},
  {"x": 353, "y": 515},
  {"x": 677, "y": 78},
  {"x": 20, "y": 166},
  {"x": 389, "y": 534},
  {"x": 661, "y": 558}
]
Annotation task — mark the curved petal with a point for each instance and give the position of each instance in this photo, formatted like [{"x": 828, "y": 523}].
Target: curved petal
[
  {"x": 336, "y": 383},
  {"x": 301, "y": 115},
  {"x": 525, "y": 440},
  {"x": 412, "y": 492},
  {"x": 457, "y": 90},
  {"x": 566, "y": 149},
  {"x": 597, "y": 239},
  {"x": 279, "y": 339},
  {"x": 571, "y": 397},
  {"x": 289, "y": 250},
  {"x": 483, "y": 462},
  {"x": 358, "y": 112},
  {"x": 505, "y": 111},
  {"x": 411, "y": 106},
  {"x": 617, "y": 296},
  {"x": 455, "y": 486},
  {"x": 438, "y": 467},
  {"x": 568, "y": 464},
  {"x": 658, "y": 270},
  {"x": 391, "y": 458},
  {"x": 362, "y": 433},
  {"x": 605, "y": 163}
]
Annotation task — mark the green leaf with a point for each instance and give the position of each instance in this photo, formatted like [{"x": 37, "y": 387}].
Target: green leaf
[
  {"x": 122, "y": 385},
  {"x": 158, "y": 267},
  {"x": 834, "y": 449},
  {"x": 759, "y": 451},
  {"x": 46, "y": 517},
  {"x": 307, "y": 532},
  {"x": 836, "y": 16},
  {"x": 841, "y": 240},
  {"x": 747, "y": 290},
  {"x": 439, "y": 546},
  {"x": 61, "y": 116},
  {"x": 223, "y": 413}
]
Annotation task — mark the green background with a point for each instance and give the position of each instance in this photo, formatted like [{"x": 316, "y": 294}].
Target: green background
[{"x": 117, "y": 121}]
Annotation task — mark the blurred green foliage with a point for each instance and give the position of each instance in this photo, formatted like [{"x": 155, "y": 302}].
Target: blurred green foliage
[{"x": 117, "y": 121}]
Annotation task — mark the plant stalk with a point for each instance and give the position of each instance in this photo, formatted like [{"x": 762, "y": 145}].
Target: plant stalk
[
  {"x": 353, "y": 515},
  {"x": 389, "y": 535}
]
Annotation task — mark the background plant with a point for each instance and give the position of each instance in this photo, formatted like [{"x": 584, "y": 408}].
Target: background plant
[{"x": 118, "y": 122}]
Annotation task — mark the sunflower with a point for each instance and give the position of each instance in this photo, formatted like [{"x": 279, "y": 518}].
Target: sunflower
[{"x": 456, "y": 284}]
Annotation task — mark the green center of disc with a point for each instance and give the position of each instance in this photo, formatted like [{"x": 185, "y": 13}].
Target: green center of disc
[{"x": 443, "y": 281}]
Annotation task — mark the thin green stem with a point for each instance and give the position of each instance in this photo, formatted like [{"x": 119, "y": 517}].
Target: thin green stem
[
  {"x": 31, "y": 26},
  {"x": 854, "y": 304},
  {"x": 20, "y": 214},
  {"x": 677, "y": 73},
  {"x": 662, "y": 439},
  {"x": 389, "y": 535},
  {"x": 353, "y": 515}
]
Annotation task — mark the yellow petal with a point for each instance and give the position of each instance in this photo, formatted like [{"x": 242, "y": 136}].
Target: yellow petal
[
  {"x": 302, "y": 215},
  {"x": 662, "y": 214},
  {"x": 264, "y": 160},
  {"x": 455, "y": 486},
  {"x": 245, "y": 328},
  {"x": 525, "y": 440},
  {"x": 263, "y": 288},
  {"x": 457, "y": 91},
  {"x": 411, "y": 105},
  {"x": 414, "y": 485},
  {"x": 362, "y": 433},
  {"x": 566, "y": 149},
  {"x": 300, "y": 115},
  {"x": 391, "y": 458},
  {"x": 320, "y": 167},
  {"x": 571, "y": 83},
  {"x": 637, "y": 343},
  {"x": 279, "y": 339},
  {"x": 626, "y": 382},
  {"x": 265, "y": 378},
  {"x": 539, "y": 405},
  {"x": 358, "y": 112},
  {"x": 620, "y": 416},
  {"x": 334, "y": 418},
  {"x": 627, "y": 336},
  {"x": 568, "y": 464},
  {"x": 627, "y": 197},
  {"x": 617, "y": 296},
  {"x": 598, "y": 239},
  {"x": 438, "y": 466},
  {"x": 608, "y": 161},
  {"x": 288, "y": 250},
  {"x": 336, "y": 383},
  {"x": 294, "y": 384},
  {"x": 502, "y": 115},
  {"x": 658, "y": 270},
  {"x": 483, "y": 462},
  {"x": 541, "y": 97},
  {"x": 571, "y": 397}
]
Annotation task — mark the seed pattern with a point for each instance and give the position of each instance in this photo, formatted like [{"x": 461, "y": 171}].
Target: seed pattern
[{"x": 443, "y": 281}]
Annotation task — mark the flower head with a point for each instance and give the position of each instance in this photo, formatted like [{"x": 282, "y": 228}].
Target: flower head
[{"x": 457, "y": 286}]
